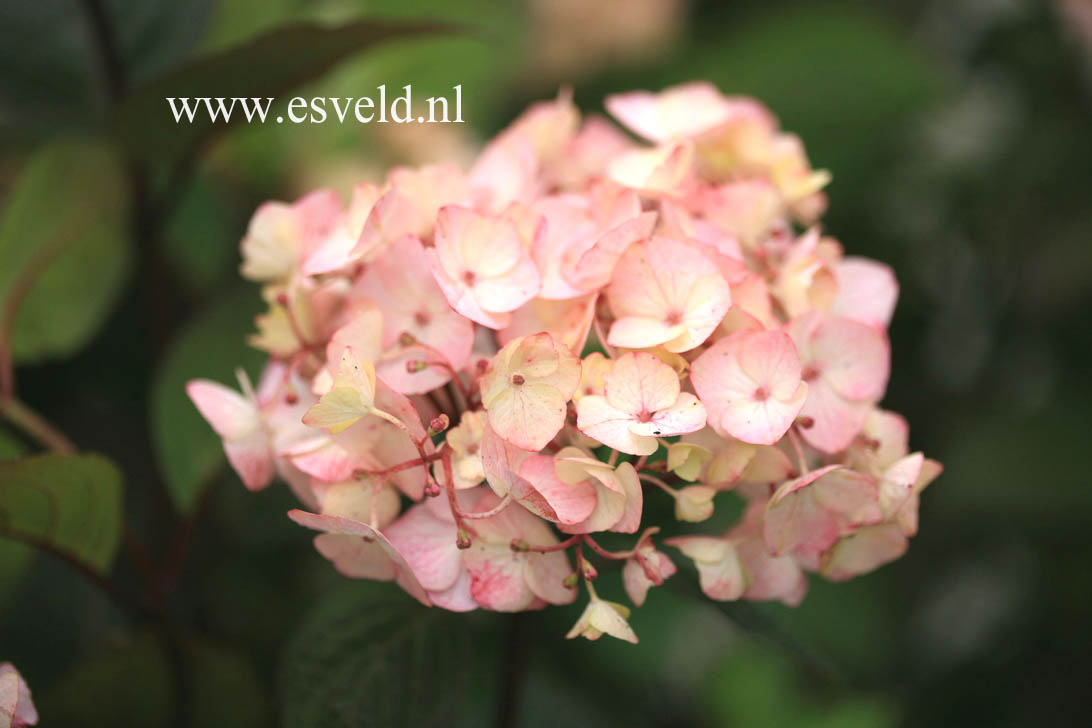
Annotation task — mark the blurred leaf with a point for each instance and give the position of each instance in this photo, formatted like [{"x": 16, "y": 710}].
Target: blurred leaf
[
  {"x": 10, "y": 446},
  {"x": 210, "y": 346},
  {"x": 367, "y": 656},
  {"x": 63, "y": 250},
  {"x": 756, "y": 686},
  {"x": 133, "y": 686},
  {"x": 14, "y": 557},
  {"x": 42, "y": 41},
  {"x": 67, "y": 504},
  {"x": 266, "y": 66},
  {"x": 52, "y": 80},
  {"x": 200, "y": 237}
]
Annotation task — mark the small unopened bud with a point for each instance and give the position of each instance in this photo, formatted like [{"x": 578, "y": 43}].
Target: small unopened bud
[
  {"x": 432, "y": 489},
  {"x": 282, "y": 298},
  {"x": 462, "y": 539},
  {"x": 570, "y": 581},
  {"x": 438, "y": 424},
  {"x": 407, "y": 339},
  {"x": 590, "y": 572},
  {"x": 806, "y": 422},
  {"x": 519, "y": 544},
  {"x": 481, "y": 365},
  {"x": 694, "y": 503}
]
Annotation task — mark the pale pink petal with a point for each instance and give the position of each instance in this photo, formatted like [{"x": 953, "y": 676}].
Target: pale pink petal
[
  {"x": 637, "y": 332},
  {"x": 750, "y": 384},
  {"x": 686, "y": 110},
  {"x": 640, "y": 382},
  {"x": 568, "y": 321},
  {"x": 496, "y": 578},
  {"x": 630, "y": 520},
  {"x": 230, "y": 414},
  {"x": 793, "y": 519},
  {"x": 867, "y": 291},
  {"x": 457, "y": 597},
  {"x": 852, "y": 357},
  {"x": 863, "y": 551},
  {"x": 16, "y": 707},
  {"x": 897, "y": 483},
  {"x": 252, "y": 459},
  {"x": 686, "y": 415},
  {"x": 528, "y": 415},
  {"x": 597, "y": 419},
  {"x": 545, "y": 575},
  {"x": 665, "y": 284},
  {"x": 427, "y": 543},
  {"x": 359, "y": 550},
  {"x": 569, "y": 503},
  {"x": 835, "y": 420}
]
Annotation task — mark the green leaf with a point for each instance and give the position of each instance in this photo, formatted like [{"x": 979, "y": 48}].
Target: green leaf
[
  {"x": 63, "y": 251},
  {"x": 211, "y": 346},
  {"x": 368, "y": 656},
  {"x": 14, "y": 557},
  {"x": 66, "y": 504},
  {"x": 133, "y": 686},
  {"x": 266, "y": 66}
]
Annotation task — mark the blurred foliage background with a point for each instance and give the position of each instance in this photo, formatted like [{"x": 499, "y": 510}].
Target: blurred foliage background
[{"x": 958, "y": 132}]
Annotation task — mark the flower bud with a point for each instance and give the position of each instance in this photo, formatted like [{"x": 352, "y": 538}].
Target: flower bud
[
  {"x": 694, "y": 503},
  {"x": 462, "y": 539},
  {"x": 438, "y": 424}
]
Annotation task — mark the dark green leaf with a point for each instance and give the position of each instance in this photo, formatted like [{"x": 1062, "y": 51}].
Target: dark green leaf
[
  {"x": 67, "y": 504},
  {"x": 369, "y": 656},
  {"x": 134, "y": 686},
  {"x": 266, "y": 66},
  {"x": 14, "y": 557},
  {"x": 63, "y": 251},
  {"x": 209, "y": 347}
]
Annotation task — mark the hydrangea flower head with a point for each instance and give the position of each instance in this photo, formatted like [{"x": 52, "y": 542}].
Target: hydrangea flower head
[{"x": 477, "y": 373}]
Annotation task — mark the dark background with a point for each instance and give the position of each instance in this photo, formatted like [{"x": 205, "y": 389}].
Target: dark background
[{"x": 959, "y": 134}]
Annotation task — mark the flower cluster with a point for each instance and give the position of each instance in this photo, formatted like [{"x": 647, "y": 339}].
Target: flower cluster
[{"x": 475, "y": 374}]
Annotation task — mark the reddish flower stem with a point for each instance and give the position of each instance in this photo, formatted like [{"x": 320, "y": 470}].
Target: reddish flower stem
[{"x": 567, "y": 543}]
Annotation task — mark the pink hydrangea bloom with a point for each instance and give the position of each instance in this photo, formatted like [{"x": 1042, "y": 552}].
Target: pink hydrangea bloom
[
  {"x": 16, "y": 708},
  {"x": 476, "y": 372}
]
